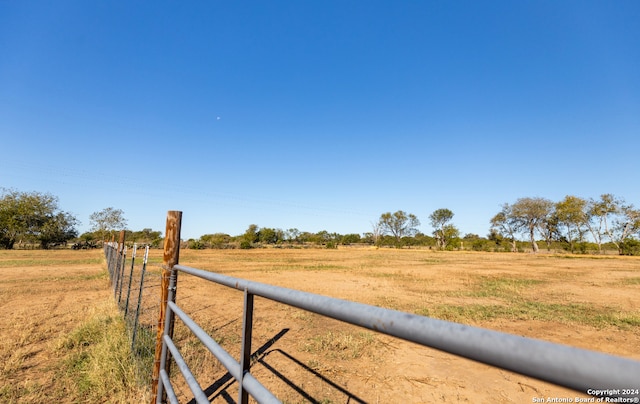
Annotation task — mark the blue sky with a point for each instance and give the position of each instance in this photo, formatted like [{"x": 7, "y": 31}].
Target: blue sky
[{"x": 317, "y": 115}]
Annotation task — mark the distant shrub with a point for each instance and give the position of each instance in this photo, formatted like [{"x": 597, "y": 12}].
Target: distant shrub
[
  {"x": 348, "y": 239},
  {"x": 630, "y": 247},
  {"x": 195, "y": 244},
  {"x": 482, "y": 245},
  {"x": 581, "y": 247}
]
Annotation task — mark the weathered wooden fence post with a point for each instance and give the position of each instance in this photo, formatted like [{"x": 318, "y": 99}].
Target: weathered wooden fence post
[
  {"x": 171, "y": 258},
  {"x": 121, "y": 241}
]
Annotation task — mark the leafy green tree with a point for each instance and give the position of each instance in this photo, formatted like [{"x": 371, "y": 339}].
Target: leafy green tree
[
  {"x": 305, "y": 237},
  {"x": 478, "y": 243},
  {"x": 550, "y": 228},
  {"x": 33, "y": 216},
  {"x": 321, "y": 237},
  {"x": 599, "y": 213},
  {"x": 530, "y": 214},
  {"x": 146, "y": 236},
  {"x": 293, "y": 235},
  {"x": 88, "y": 237},
  {"x": 398, "y": 225},
  {"x": 630, "y": 246},
  {"x": 216, "y": 240},
  {"x": 57, "y": 229},
  {"x": 424, "y": 240},
  {"x": 106, "y": 222},
  {"x": 194, "y": 244},
  {"x": 610, "y": 217},
  {"x": 351, "y": 238},
  {"x": 623, "y": 224},
  {"x": 572, "y": 219},
  {"x": 270, "y": 236},
  {"x": 504, "y": 224},
  {"x": 443, "y": 231},
  {"x": 452, "y": 237},
  {"x": 251, "y": 235},
  {"x": 376, "y": 233}
]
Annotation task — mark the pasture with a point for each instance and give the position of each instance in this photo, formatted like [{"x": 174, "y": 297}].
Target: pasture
[{"x": 585, "y": 301}]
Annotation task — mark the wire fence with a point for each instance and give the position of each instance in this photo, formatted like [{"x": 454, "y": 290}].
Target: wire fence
[{"x": 135, "y": 288}]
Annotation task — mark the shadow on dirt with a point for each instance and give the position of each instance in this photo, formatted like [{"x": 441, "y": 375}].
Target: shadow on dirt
[
  {"x": 349, "y": 396},
  {"x": 218, "y": 390}
]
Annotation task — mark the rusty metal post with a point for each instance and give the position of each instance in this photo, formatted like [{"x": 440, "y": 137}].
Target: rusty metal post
[{"x": 171, "y": 258}]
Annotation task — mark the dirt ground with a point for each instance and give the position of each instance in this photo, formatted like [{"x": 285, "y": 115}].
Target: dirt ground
[
  {"x": 318, "y": 359},
  {"x": 45, "y": 295},
  {"x": 304, "y": 357}
]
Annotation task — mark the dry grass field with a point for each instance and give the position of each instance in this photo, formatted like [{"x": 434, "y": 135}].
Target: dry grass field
[
  {"x": 52, "y": 297},
  {"x": 59, "y": 321}
]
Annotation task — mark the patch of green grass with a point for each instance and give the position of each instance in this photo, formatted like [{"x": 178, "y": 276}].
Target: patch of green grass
[
  {"x": 96, "y": 363},
  {"x": 503, "y": 288},
  {"x": 302, "y": 315},
  {"x": 459, "y": 313},
  {"x": 80, "y": 277},
  {"x": 385, "y": 275},
  {"x": 101, "y": 275},
  {"x": 144, "y": 353},
  {"x": 154, "y": 260},
  {"x": 388, "y": 302},
  {"x": 584, "y": 256},
  {"x": 16, "y": 263},
  {"x": 340, "y": 345},
  {"x": 323, "y": 267},
  {"x": 431, "y": 261},
  {"x": 573, "y": 313},
  {"x": 27, "y": 391},
  {"x": 517, "y": 306},
  {"x": 631, "y": 281}
]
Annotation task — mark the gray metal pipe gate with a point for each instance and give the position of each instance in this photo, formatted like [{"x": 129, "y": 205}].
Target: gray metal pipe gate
[{"x": 582, "y": 370}]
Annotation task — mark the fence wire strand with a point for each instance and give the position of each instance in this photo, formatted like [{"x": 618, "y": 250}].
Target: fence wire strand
[{"x": 135, "y": 287}]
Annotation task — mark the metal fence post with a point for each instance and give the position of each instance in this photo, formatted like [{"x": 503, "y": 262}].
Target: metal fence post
[
  {"x": 116, "y": 269},
  {"x": 118, "y": 266},
  {"x": 110, "y": 263},
  {"x": 107, "y": 253},
  {"x": 171, "y": 258},
  {"x": 122, "y": 265},
  {"x": 133, "y": 259},
  {"x": 137, "y": 316},
  {"x": 113, "y": 259},
  {"x": 245, "y": 358}
]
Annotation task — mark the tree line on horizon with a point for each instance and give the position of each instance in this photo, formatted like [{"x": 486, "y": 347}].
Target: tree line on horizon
[{"x": 574, "y": 224}]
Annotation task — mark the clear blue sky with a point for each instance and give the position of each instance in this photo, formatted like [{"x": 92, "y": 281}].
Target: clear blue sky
[{"x": 319, "y": 115}]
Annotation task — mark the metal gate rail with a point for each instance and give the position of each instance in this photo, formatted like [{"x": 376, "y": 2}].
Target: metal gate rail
[
  {"x": 578, "y": 369},
  {"x": 585, "y": 371}
]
